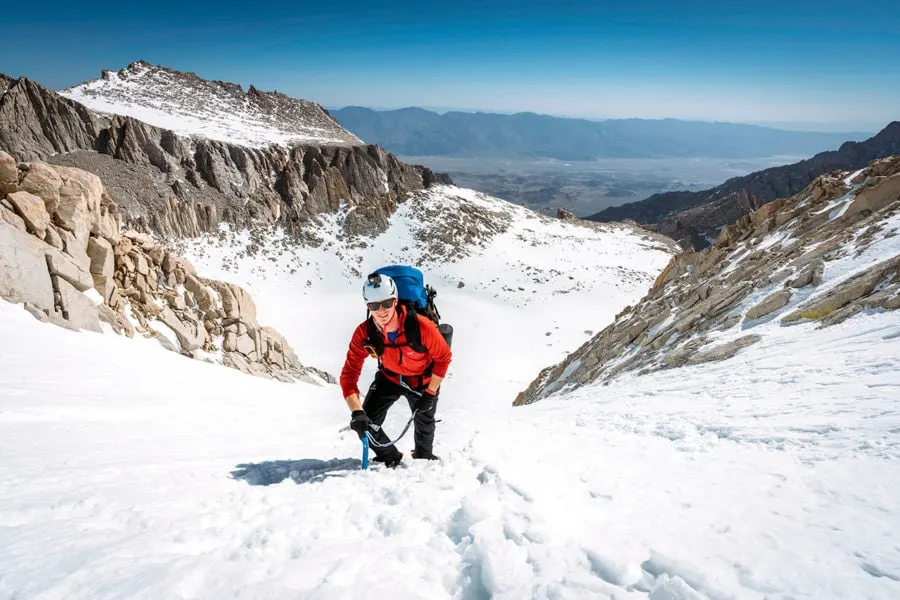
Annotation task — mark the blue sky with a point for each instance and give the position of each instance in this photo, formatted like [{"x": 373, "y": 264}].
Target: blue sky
[{"x": 823, "y": 61}]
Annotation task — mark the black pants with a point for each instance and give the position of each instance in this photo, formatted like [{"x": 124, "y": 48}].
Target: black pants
[{"x": 381, "y": 396}]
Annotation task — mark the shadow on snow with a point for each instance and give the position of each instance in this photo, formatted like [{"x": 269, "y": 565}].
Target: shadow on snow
[{"x": 305, "y": 470}]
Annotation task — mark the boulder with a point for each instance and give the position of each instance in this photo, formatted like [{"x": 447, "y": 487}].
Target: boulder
[
  {"x": 123, "y": 248},
  {"x": 892, "y": 303},
  {"x": 841, "y": 314},
  {"x": 43, "y": 181},
  {"x": 9, "y": 173},
  {"x": 730, "y": 322},
  {"x": 8, "y": 215},
  {"x": 102, "y": 268},
  {"x": 79, "y": 201},
  {"x": 171, "y": 262},
  {"x": 772, "y": 303},
  {"x": 77, "y": 308},
  {"x": 635, "y": 330},
  {"x": 204, "y": 298},
  {"x": 45, "y": 317},
  {"x": 119, "y": 323},
  {"x": 176, "y": 301},
  {"x": 105, "y": 223},
  {"x": 845, "y": 293},
  {"x": 54, "y": 239},
  {"x": 65, "y": 267},
  {"x": 275, "y": 348},
  {"x": 141, "y": 264},
  {"x": 246, "y": 345},
  {"x": 236, "y": 360},
  {"x": 23, "y": 269},
  {"x": 680, "y": 356},
  {"x": 75, "y": 247},
  {"x": 724, "y": 351},
  {"x": 164, "y": 342},
  {"x": 874, "y": 198},
  {"x": 229, "y": 344},
  {"x": 157, "y": 254},
  {"x": 229, "y": 301},
  {"x": 246, "y": 306},
  {"x": 127, "y": 263},
  {"x": 31, "y": 209},
  {"x": 141, "y": 240},
  {"x": 811, "y": 274},
  {"x": 189, "y": 335}
]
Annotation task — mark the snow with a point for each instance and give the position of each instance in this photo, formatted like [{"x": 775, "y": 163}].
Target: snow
[
  {"x": 127, "y": 471},
  {"x": 573, "y": 278},
  {"x": 848, "y": 180},
  {"x": 205, "y": 109}
]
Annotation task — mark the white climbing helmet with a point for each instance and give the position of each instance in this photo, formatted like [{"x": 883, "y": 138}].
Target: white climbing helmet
[{"x": 378, "y": 288}]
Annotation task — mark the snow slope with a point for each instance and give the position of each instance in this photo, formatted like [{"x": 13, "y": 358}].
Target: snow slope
[
  {"x": 764, "y": 479},
  {"x": 772, "y": 475},
  {"x": 560, "y": 280},
  {"x": 194, "y": 107}
]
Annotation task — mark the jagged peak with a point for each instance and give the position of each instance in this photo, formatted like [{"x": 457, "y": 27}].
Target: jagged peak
[{"x": 190, "y": 105}]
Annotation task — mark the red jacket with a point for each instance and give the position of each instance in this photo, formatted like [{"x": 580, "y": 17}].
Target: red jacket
[{"x": 411, "y": 364}]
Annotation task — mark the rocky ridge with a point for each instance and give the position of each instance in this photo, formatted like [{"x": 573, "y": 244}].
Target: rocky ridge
[
  {"x": 694, "y": 219},
  {"x": 177, "y": 186},
  {"x": 218, "y": 110},
  {"x": 822, "y": 255},
  {"x": 64, "y": 255}
]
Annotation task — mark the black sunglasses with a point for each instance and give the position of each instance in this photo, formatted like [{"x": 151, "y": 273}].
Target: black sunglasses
[{"x": 373, "y": 306}]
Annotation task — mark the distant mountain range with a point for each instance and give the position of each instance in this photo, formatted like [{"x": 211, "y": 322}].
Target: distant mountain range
[
  {"x": 694, "y": 219},
  {"x": 419, "y": 132}
]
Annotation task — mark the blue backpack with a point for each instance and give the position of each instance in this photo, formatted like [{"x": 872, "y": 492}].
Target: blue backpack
[
  {"x": 418, "y": 299},
  {"x": 412, "y": 291}
]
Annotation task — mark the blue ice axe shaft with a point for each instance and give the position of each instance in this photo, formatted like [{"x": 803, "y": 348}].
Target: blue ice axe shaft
[{"x": 365, "y": 457}]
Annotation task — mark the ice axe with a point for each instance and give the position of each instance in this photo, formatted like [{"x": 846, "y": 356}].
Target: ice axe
[{"x": 370, "y": 439}]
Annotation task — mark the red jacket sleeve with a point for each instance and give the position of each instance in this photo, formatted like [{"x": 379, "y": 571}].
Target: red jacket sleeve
[
  {"x": 437, "y": 347},
  {"x": 356, "y": 356}
]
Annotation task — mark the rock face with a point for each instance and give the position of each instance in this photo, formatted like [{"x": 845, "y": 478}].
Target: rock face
[
  {"x": 694, "y": 219},
  {"x": 177, "y": 186},
  {"x": 822, "y": 256},
  {"x": 68, "y": 241}
]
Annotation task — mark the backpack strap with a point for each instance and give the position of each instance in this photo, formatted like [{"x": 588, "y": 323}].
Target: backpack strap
[
  {"x": 412, "y": 331},
  {"x": 375, "y": 343}
]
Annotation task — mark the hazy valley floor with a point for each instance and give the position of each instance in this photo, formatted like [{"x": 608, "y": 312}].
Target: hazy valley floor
[{"x": 587, "y": 187}]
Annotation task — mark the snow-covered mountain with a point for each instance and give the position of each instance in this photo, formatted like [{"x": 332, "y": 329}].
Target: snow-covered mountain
[
  {"x": 179, "y": 186},
  {"x": 817, "y": 258},
  {"x": 216, "y": 110}
]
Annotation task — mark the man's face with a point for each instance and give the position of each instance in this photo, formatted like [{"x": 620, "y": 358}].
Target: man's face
[{"x": 383, "y": 312}]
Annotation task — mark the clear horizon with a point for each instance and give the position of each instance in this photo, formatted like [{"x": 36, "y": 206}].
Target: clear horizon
[{"x": 803, "y": 64}]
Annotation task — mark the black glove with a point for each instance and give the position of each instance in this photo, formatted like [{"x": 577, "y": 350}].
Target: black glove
[
  {"x": 425, "y": 401},
  {"x": 360, "y": 422}
]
